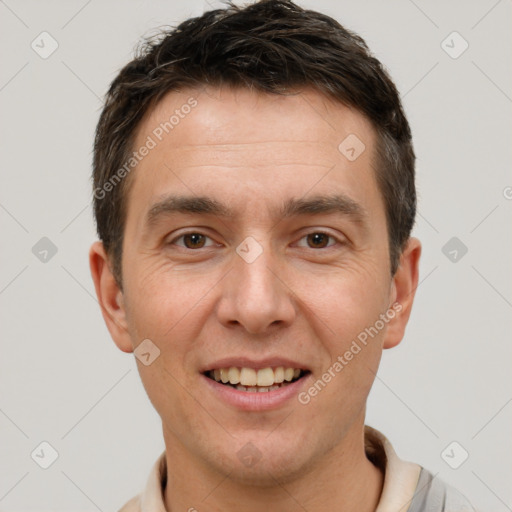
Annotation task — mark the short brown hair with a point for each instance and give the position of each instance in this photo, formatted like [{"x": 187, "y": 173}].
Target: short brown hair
[{"x": 272, "y": 46}]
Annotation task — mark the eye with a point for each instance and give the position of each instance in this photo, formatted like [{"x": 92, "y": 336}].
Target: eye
[
  {"x": 196, "y": 240},
  {"x": 192, "y": 240},
  {"x": 319, "y": 240}
]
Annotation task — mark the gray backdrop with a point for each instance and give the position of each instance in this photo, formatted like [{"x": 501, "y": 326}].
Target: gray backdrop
[{"x": 63, "y": 381}]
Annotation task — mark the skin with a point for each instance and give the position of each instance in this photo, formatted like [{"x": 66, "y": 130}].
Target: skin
[{"x": 299, "y": 299}]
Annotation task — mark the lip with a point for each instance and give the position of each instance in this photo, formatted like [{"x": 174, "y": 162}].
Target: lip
[
  {"x": 247, "y": 401},
  {"x": 244, "y": 362}
]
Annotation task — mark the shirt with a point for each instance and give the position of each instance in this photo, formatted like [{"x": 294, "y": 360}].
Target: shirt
[{"x": 408, "y": 487}]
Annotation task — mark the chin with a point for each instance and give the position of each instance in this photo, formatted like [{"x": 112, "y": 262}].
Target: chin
[
  {"x": 268, "y": 472},
  {"x": 261, "y": 461}
]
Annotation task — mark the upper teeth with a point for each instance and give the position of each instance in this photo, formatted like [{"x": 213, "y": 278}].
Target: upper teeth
[{"x": 251, "y": 377}]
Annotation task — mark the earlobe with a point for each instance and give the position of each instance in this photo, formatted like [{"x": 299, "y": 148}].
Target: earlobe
[
  {"x": 110, "y": 297},
  {"x": 404, "y": 284}
]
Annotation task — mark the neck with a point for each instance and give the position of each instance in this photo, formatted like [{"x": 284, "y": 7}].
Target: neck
[{"x": 342, "y": 479}]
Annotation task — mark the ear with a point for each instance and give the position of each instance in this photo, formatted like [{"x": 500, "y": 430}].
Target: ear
[
  {"x": 110, "y": 297},
  {"x": 403, "y": 289}
]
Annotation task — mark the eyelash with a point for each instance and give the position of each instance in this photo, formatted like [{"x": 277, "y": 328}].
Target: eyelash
[{"x": 339, "y": 242}]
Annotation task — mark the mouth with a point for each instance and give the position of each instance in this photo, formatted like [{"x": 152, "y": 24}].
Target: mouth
[{"x": 256, "y": 380}]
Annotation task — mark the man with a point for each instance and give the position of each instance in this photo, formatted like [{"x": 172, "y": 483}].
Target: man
[{"x": 254, "y": 196}]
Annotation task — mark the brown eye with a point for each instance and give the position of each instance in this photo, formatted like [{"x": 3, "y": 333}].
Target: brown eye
[
  {"x": 318, "y": 240},
  {"x": 193, "y": 240}
]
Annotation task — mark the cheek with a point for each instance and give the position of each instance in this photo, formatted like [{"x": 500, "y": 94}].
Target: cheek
[
  {"x": 352, "y": 300},
  {"x": 165, "y": 310},
  {"x": 350, "y": 310},
  {"x": 350, "y": 313},
  {"x": 160, "y": 298}
]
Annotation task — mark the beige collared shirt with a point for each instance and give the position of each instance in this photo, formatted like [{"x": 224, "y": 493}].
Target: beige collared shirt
[{"x": 407, "y": 486}]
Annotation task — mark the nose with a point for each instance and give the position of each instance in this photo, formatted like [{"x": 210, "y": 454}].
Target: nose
[{"x": 256, "y": 295}]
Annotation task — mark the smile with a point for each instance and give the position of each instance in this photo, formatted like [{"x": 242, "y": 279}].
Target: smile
[{"x": 254, "y": 380}]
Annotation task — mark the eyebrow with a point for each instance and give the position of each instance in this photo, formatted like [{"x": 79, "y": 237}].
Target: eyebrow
[{"x": 316, "y": 205}]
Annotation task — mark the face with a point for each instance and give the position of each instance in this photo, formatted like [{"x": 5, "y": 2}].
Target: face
[{"x": 256, "y": 253}]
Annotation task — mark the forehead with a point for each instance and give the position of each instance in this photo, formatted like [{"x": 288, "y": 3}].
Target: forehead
[
  {"x": 230, "y": 140},
  {"x": 242, "y": 116}
]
